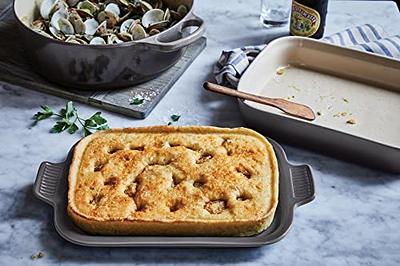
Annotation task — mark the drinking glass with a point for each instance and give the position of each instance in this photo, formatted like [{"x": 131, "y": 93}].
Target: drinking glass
[{"x": 275, "y": 13}]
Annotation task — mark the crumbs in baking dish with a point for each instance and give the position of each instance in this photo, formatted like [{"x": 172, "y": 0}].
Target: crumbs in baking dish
[
  {"x": 281, "y": 70},
  {"x": 351, "y": 121}
]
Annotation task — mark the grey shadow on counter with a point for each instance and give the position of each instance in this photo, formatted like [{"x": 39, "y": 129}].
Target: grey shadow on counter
[
  {"x": 339, "y": 166},
  {"x": 59, "y": 250}
]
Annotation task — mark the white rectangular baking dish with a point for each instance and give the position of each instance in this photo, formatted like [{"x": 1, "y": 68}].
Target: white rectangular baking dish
[{"x": 355, "y": 94}]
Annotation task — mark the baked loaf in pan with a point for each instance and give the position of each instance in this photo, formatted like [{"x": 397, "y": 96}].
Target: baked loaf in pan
[{"x": 168, "y": 180}]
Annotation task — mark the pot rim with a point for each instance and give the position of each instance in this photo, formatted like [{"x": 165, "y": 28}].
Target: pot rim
[{"x": 146, "y": 40}]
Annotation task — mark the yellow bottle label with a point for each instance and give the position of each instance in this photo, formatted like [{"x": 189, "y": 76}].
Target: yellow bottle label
[{"x": 305, "y": 21}]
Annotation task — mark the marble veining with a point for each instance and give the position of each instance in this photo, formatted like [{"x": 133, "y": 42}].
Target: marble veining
[{"x": 354, "y": 220}]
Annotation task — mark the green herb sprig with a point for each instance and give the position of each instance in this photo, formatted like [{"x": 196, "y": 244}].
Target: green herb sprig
[
  {"x": 136, "y": 101},
  {"x": 69, "y": 120},
  {"x": 174, "y": 118}
]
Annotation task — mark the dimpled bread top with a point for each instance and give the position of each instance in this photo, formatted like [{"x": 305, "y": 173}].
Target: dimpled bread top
[{"x": 174, "y": 174}]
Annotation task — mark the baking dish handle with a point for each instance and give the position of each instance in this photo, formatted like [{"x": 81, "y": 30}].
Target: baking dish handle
[
  {"x": 302, "y": 184},
  {"x": 192, "y": 21},
  {"x": 47, "y": 179}
]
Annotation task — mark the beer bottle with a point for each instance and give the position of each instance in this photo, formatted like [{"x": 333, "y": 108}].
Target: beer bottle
[{"x": 308, "y": 18}]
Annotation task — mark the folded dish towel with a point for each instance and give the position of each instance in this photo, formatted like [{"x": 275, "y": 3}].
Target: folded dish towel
[{"x": 370, "y": 38}]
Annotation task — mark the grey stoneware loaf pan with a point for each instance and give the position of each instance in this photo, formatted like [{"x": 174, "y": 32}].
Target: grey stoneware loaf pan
[
  {"x": 106, "y": 66},
  {"x": 355, "y": 94},
  {"x": 296, "y": 188}
]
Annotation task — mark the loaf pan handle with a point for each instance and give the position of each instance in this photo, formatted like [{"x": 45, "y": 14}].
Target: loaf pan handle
[
  {"x": 303, "y": 184},
  {"x": 47, "y": 179},
  {"x": 192, "y": 21}
]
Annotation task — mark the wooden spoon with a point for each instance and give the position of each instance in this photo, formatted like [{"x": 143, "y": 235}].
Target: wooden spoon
[{"x": 291, "y": 108}]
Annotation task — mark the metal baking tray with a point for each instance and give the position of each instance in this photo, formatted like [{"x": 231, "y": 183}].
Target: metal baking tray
[
  {"x": 296, "y": 187},
  {"x": 355, "y": 94}
]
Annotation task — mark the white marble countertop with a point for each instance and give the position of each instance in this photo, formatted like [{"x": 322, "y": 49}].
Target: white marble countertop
[{"x": 355, "y": 218}]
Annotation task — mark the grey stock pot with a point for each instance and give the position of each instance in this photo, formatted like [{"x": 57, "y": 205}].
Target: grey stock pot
[{"x": 105, "y": 66}]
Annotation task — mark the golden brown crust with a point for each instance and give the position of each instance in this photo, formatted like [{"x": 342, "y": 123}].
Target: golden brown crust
[{"x": 173, "y": 181}]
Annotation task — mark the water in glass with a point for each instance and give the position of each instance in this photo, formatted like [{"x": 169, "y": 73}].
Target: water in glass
[{"x": 275, "y": 13}]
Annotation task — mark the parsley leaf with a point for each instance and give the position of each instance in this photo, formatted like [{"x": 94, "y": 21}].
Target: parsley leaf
[
  {"x": 70, "y": 109},
  {"x": 98, "y": 119},
  {"x": 44, "y": 114},
  {"x": 96, "y": 122},
  {"x": 137, "y": 101},
  {"x": 59, "y": 127},
  {"x": 68, "y": 119},
  {"x": 90, "y": 123},
  {"x": 175, "y": 118},
  {"x": 86, "y": 132},
  {"x": 73, "y": 128},
  {"x": 104, "y": 127}
]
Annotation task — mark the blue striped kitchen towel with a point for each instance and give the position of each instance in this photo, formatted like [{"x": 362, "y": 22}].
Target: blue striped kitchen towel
[{"x": 369, "y": 38}]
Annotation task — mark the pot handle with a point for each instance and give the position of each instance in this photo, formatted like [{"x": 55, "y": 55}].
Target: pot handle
[
  {"x": 302, "y": 184},
  {"x": 47, "y": 180},
  {"x": 192, "y": 21}
]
